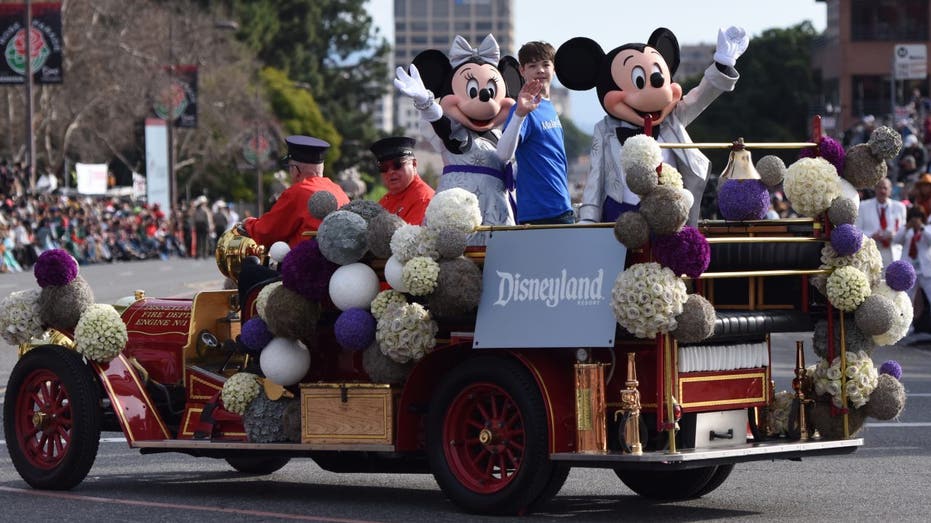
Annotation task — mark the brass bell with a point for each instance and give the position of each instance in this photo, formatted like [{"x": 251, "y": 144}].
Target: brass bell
[{"x": 739, "y": 165}]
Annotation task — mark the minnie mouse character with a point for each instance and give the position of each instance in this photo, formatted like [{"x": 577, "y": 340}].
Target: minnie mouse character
[
  {"x": 476, "y": 91},
  {"x": 635, "y": 87}
]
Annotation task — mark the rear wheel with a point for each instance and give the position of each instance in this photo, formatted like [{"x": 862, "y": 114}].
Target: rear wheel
[
  {"x": 674, "y": 485},
  {"x": 487, "y": 439},
  {"x": 51, "y": 418},
  {"x": 257, "y": 465}
]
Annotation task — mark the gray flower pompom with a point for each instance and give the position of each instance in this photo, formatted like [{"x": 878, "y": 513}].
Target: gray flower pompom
[
  {"x": 632, "y": 230},
  {"x": 887, "y": 400},
  {"x": 832, "y": 427},
  {"x": 641, "y": 179},
  {"x": 381, "y": 368},
  {"x": 843, "y": 210},
  {"x": 381, "y": 228},
  {"x": 862, "y": 168},
  {"x": 772, "y": 170},
  {"x": 61, "y": 307},
  {"x": 885, "y": 143},
  {"x": 263, "y": 420},
  {"x": 856, "y": 340},
  {"x": 343, "y": 237},
  {"x": 451, "y": 243},
  {"x": 290, "y": 315},
  {"x": 665, "y": 210},
  {"x": 696, "y": 321},
  {"x": 458, "y": 289},
  {"x": 321, "y": 203},
  {"x": 875, "y": 315},
  {"x": 367, "y": 209}
]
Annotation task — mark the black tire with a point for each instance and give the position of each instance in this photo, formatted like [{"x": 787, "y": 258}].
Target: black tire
[
  {"x": 672, "y": 485},
  {"x": 487, "y": 439},
  {"x": 51, "y": 418},
  {"x": 259, "y": 466},
  {"x": 717, "y": 479}
]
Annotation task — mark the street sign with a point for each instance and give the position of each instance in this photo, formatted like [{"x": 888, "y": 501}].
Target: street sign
[{"x": 910, "y": 61}]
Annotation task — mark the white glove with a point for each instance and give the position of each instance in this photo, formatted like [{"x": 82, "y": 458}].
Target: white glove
[
  {"x": 412, "y": 86},
  {"x": 732, "y": 42}
]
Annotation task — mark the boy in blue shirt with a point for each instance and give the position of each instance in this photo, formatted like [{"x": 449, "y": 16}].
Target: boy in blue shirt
[{"x": 533, "y": 136}]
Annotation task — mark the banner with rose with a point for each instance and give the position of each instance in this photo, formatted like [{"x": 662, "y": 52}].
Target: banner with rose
[{"x": 45, "y": 43}]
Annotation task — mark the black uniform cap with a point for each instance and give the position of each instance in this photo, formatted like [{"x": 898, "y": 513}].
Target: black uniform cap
[
  {"x": 393, "y": 147},
  {"x": 306, "y": 149}
]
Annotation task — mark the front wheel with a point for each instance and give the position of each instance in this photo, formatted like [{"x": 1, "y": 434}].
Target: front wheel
[
  {"x": 257, "y": 466},
  {"x": 487, "y": 437},
  {"x": 674, "y": 485},
  {"x": 51, "y": 418}
]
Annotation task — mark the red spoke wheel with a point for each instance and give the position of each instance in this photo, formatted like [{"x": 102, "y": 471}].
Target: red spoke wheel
[
  {"x": 51, "y": 418},
  {"x": 487, "y": 439}
]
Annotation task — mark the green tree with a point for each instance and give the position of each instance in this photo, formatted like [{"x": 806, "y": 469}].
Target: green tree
[
  {"x": 331, "y": 47},
  {"x": 577, "y": 142},
  {"x": 298, "y": 112},
  {"x": 772, "y": 100}
]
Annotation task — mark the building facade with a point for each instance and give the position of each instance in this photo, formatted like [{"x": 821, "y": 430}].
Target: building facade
[{"x": 856, "y": 58}]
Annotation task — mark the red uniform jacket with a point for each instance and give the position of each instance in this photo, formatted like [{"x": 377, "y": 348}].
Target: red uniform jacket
[
  {"x": 289, "y": 218},
  {"x": 411, "y": 203}
]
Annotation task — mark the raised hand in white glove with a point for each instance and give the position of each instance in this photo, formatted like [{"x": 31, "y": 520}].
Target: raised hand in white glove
[
  {"x": 732, "y": 42},
  {"x": 412, "y": 86}
]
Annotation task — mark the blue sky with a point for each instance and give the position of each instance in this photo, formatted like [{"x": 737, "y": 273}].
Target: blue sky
[{"x": 612, "y": 23}]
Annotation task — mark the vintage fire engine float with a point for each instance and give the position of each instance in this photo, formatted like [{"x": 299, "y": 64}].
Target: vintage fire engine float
[{"x": 501, "y": 408}]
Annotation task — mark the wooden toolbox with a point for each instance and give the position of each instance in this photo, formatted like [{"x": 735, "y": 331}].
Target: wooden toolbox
[{"x": 340, "y": 413}]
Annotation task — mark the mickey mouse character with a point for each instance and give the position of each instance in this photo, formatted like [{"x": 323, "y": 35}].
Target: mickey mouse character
[
  {"x": 635, "y": 88},
  {"x": 476, "y": 91}
]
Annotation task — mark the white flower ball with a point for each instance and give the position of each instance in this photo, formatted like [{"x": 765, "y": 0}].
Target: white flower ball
[
  {"x": 394, "y": 274},
  {"x": 278, "y": 251},
  {"x": 641, "y": 149},
  {"x": 353, "y": 286},
  {"x": 284, "y": 361},
  {"x": 454, "y": 208},
  {"x": 849, "y": 192}
]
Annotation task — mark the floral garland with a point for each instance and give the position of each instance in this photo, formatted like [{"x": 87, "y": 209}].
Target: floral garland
[
  {"x": 420, "y": 275},
  {"x": 100, "y": 334},
  {"x": 811, "y": 184},
  {"x": 411, "y": 241},
  {"x": 901, "y": 320},
  {"x": 454, "y": 208},
  {"x": 646, "y": 299},
  {"x": 238, "y": 392},
  {"x": 847, "y": 287},
  {"x": 386, "y": 299},
  {"x": 867, "y": 259},
  {"x": 19, "y": 317},
  {"x": 861, "y": 379},
  {"x": 406, "y": 333},
  {"x": 779, "y": 413}
]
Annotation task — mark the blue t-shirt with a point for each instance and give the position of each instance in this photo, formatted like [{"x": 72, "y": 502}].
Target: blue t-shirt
[{"x": 542, "y": 179}]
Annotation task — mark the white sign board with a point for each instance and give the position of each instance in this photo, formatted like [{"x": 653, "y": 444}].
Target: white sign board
[
  {"x": 910, "y": 61},
  {"x": 92, "y": 178},
  {"x": 156, "y": 162}
]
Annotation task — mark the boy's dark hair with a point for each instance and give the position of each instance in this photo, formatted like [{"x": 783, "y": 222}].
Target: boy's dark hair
[
  {"x": 535, "y": 52},
  {"x": 915, "y": 211}
]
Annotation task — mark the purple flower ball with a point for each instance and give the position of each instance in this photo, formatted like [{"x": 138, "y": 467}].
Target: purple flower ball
[
  {"x": 55, "y": 267},
  {"x": 685, "y": 252},
  {"x": 846, "y": 239},
  {"x": 305, "y": 271},
  {"x": 900, "y": 275},
  {"x": 255, "y": 335},
  {"x": 743, "y": 199},
  {"x": 355, "y": 329},
  {"x": 831, "y": 150},
  {"x": 891, "y": 368}
]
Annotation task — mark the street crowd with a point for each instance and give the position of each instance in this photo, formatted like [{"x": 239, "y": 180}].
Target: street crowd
[{"x": 101, "y": 229}]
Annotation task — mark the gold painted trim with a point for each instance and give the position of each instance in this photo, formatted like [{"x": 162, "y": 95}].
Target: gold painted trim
[
  {"x": 764, "y": 239},
  {"x": 730, "y": 145},
  {"x": 730, "y": 377},
  {"x": 202, "y": 381},
  {"x": 187, "y": 421},
  {"x": 143, "y": 333},
  {"x": 747, "y": 274}
]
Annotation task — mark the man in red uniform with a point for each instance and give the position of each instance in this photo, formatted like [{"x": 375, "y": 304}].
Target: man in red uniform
[
  {"x": 289, "y": 217},
  {"x": 408, "y": 195}
]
